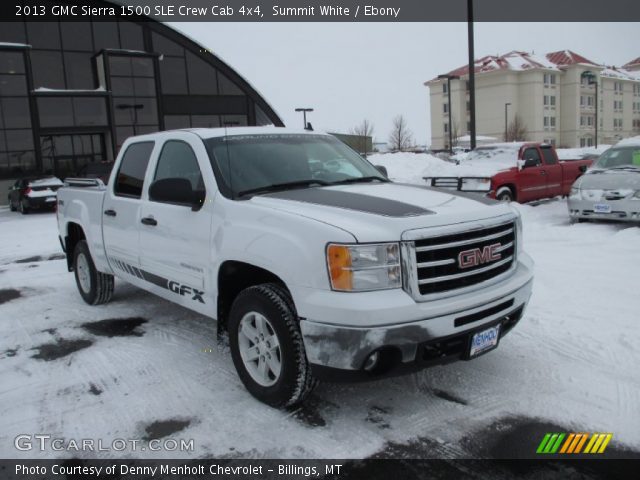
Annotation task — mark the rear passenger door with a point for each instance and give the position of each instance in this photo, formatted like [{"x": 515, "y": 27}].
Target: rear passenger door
[
  {"x": 121, "y": 210},
  {"x": 553, "y": 171},
  {"x": 175, "y": 248}
]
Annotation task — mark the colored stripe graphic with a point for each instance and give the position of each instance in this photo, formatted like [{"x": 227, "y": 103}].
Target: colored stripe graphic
[{"x": 573, "y": 443}]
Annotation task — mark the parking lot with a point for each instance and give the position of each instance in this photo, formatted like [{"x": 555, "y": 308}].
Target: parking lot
[{"x": 143, "y": 368}]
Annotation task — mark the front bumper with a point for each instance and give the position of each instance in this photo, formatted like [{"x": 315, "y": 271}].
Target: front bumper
[
  {"x": 409, "y": 335},
  {"x": 625, "y": 209}
]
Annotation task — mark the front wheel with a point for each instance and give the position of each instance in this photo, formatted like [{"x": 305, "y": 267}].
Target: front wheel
[
  {"x": 94, "y": 287},
  {"x": 23, "y": 206},
  {"x": 267, "y": 347},
  {"x": 504, "y": 194}
]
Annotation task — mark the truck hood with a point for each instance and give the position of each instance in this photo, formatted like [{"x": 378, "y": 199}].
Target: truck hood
[
  {"x": 382, "y": 212},
  {"x": 610, "y": 180}
]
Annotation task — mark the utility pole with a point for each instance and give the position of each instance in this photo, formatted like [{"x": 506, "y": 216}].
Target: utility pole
[{"x": 472, "y": 76}]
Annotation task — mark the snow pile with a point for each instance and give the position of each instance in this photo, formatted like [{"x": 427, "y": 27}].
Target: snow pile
[{"x": 629, "y": 142}]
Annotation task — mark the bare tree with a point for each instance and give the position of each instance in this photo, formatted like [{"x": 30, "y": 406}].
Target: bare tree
[
  {"x": 401, "y": 138},
  {"x": 364, "y": 131},
  {"x": 517, "y": 130},
  {"x": 455, "y": 135}
]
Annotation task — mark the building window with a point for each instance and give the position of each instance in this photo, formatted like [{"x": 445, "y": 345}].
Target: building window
[
  {"x": 549, "y": 123},
  {"x": 617, "y": 105},
  {"x": 617, "y": 124},
  {"x": 445, "y": 108},
  {"x": 617, "y": 87},
  {"x": 446, "y": 128},
  {"x": 444, "y": 87},
  {"x": 468, "y": 106},
  {"x": 636, "y": 90},
  {"x": 586, "y": 142},
  {"x": 549, "y": 79},
  {"x": 549, "y": 101}
]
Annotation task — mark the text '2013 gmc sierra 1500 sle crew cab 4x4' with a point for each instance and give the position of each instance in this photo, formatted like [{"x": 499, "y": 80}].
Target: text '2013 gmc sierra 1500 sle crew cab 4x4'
[{"x": 317, "y": 266}]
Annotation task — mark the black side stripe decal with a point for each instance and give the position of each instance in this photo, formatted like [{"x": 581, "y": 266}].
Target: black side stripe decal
[{"x": 161, "y": 282}]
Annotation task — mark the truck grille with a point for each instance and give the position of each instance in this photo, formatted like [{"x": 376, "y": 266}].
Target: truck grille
[{"x": 463, "y": 259}]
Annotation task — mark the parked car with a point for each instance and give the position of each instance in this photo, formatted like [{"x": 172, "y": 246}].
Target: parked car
[
  {"x": 523, "y": 172},
  {"x": 610, "y": 190},
  {"x": 34, "y": 194},
  {"x": 316, "y": 265}
]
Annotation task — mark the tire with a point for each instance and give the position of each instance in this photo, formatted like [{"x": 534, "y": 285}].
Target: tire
[
  {"x": 12, "y": 206},
  {"x": 504, "y": 194},
  {"x": 95, "y": 287},
  {"x": 293, "y": 382},
  {"x": 22, "y": 208}
]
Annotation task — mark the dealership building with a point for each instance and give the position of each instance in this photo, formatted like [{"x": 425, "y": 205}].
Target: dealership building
[{"x": 72, "y": 92}]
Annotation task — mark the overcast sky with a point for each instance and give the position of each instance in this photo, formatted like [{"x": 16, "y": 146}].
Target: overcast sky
[{"x": 351, "y": 71}]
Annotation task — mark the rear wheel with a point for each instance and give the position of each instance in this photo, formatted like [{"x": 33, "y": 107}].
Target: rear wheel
[
  {"x": 504, "y": 194},
  {"x": 23, "y": 206},
  {"x": 94, "y": 287},
  {"x": 267, "y": 347}
]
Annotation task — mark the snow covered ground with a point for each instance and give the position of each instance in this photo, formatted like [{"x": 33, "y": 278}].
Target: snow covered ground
[{"x": 141, "y": 367}]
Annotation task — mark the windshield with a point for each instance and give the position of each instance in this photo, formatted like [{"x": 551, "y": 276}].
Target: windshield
[
  {"x": 619, "y": 157},
  {"x": 250, "y": 163}
]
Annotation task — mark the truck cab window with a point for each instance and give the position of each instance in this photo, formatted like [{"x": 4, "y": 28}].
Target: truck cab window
[
  {"x": 178, "y": 160},
  {"x": 132, "y": 170},
  {"x": 532, "y": 153},
  {"x": 549, "y": 157}
]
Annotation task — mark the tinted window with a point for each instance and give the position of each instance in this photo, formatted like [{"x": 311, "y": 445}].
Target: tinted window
[
  {"x": 202, "y": 76},
  {"x": 105, "y": 35},
  {"x": 227, "y": 87},
  {"x": 132, "y": 169},
  {"x": 533, "y": 154},
  {"x": 79, "y": 71},
  {"x": 173, "y": 75},
  {"x": 549, "y": 158},
  {"x": 176, "y": 121},
  {"x": 15, "y": 112},
  {"x": 90, "y": 111},
  {"x": 47, "y": 69},
  {"x": 13, "y": 85},
  {"x": 165, "y": 46},
  {"x": 76, "y": 36},
  {"x": 44, "y": 34},
  {"x": 12, "y": 32},
  {"x": 177, "y": 160},
  {"x": 11, "y": 62},
  {"x": 55, "y": 111},
  {"x": 131, "y": 36}
]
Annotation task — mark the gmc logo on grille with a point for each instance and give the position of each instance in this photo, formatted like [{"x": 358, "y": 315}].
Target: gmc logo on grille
[{"x": 476, "y": 256}]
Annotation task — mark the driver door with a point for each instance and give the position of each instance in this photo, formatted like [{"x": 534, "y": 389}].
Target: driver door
[{"x": 532, "y": 180}]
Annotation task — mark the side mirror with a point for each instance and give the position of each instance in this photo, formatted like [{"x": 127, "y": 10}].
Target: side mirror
[
  {"x": 382, "y": 170},
  {"x": 520, "y": 164},
  {"x": 177, "y": 191}
]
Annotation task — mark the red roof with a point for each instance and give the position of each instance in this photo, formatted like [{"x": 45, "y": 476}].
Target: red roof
[
  {"x": 514, "y": 60},
  {"x": 632, "y": 63},
  {"x": 567, "y": 57}
]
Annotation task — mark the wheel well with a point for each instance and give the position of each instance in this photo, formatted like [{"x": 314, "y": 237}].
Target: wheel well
[
  {"x": 233, "y": 277},
  {"x": 510, "y": 187},
  {"x": 74, "y": 235}
]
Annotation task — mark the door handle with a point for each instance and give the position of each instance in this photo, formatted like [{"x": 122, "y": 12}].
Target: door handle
[
  {"x": 110, "y": 213},
  {"x": 542, "y": 172},
  {"x": 149, "y": 221}
]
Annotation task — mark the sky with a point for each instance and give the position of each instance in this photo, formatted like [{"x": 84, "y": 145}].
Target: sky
[{"x": 348, "y": 72}]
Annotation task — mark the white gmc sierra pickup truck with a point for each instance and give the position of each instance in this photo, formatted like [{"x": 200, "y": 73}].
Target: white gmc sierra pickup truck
[{"x": 317, "y": 266}]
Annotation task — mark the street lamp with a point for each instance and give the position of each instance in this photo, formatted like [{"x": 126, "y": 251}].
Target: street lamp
[
  {"x": 506, "y": 109},
  {"x": 449, "y": 78},
  {"x": 593, "y": 80},
  {"x": 472, "y": 76},
  {"x": 304, "y": 115}
]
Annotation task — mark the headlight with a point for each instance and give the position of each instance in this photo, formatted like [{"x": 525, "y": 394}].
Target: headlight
[
  {"x": 360, "y": 268},
  {"x": 575, "y": 193}
]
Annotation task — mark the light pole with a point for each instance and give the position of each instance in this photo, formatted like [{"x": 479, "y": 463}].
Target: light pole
[
  {"x": 449, "y": 78},
  {"x": 506, "y": 129},
  {"x": 593, "y": 80},
  {"x": 472, "y": 77},
  {"x": 304, "y": 115}
]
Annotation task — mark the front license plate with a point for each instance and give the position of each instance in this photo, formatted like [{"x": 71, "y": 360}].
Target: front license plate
[
  {"x": 602, "y": 208},
  {"x": 484, "y": 340}
]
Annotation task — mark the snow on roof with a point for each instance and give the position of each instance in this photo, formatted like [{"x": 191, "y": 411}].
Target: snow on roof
[
  {"x": 9, "y": 44},
  {"x": 629, "y": 142},
  {"x": 632, "y": 63},
  {"x": 514, "y": 61},
  {"x": 567, "y": 57},
  {"x": 265, "y": 130},
  {"x": 60, "y": 90}
]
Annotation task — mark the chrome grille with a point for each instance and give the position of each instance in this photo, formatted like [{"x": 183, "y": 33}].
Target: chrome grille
[{"x": 459, "y": 260}]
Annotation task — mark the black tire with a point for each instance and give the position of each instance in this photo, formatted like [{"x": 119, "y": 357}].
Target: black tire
[
  {"x": 12, "y": 206},
  {"x": 295, "y": 381},
  {"x": 504, "y": 194},
  {"x": 100, "y": 285},
  {"x": 22, "y": 207}
]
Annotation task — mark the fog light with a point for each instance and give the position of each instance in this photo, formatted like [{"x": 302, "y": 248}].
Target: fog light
[{"x": 371, "y": 361}]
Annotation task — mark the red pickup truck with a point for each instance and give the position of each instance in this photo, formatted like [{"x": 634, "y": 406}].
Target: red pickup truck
[{"x": 514, "y": 171}]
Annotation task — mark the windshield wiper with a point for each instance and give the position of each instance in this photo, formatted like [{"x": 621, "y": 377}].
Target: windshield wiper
[
  {"x": 282, "y": 186},
  {"x": 359, "y": 180}
]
